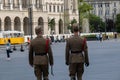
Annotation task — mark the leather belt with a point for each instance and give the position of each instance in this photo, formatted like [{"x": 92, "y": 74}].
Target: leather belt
[
  {"x": 75, "y": 52},
  {"x": 40, "y": 54}
]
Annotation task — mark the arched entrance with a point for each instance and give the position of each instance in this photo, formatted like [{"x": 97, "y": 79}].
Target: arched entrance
[
  {"x": 60, "y": 26},
  {"x": 41, "y": 23},
  {"x": 26, "y": 28},
  {"x": 7, "y": 23},
  {"x": 17, "y": 24}
]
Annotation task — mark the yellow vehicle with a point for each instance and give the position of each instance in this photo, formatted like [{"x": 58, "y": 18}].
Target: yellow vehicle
[{"x": 16, "y": 37}]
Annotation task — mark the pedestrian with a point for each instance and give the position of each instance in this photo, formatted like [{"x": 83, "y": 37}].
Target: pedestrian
[
  {"x": 8, "y": 49},
  {"x": 101, "y": 37},
  {"x": 40, "y": 55},
  {"x": 28, "y": 42},
  {"x": 76, "y": 54}
]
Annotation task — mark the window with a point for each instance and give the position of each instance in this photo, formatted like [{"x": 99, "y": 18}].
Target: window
[
  {"x": 58, "y": 10},
  {"x": 107, "y": 12},
  {"x": 107, "y": 5},
  {"x": 38, "y": 4},
  {"x": 54, "y": 8},
  {"x": 114, "y": 4},
  {"x": 100, "y": 12},
  {"x": 100, "y": 5},
  {"x": 49, "y": 8},
  {"x": 61, "y": 8},
  {"x": 24, "y": 3}
]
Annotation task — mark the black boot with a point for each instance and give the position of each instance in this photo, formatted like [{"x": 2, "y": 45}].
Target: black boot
[
  {"x": 73, "y": 78},
  {"x": 14, "y": 48},
  {"x": 46, "y": 78}
]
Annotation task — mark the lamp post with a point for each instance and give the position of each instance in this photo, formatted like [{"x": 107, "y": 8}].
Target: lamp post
[
  {"x": 105, "y": 23},
  {"x": 114, "y": 13},
  {"x": 30, "y": 17},
  {"x": 113, "y": 23},
  {"x": 79, "y": 4}
]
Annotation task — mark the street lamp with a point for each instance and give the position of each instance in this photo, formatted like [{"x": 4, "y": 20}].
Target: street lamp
[
  {"x": 113, "y": 23},
  {"x": 105, "y": 23},
  {"x": 30, "y": 17}
]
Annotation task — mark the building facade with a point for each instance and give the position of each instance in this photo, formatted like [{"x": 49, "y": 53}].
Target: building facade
[
  {"x": 107, "y": 10},
  {"x": 14, "y": 14}
]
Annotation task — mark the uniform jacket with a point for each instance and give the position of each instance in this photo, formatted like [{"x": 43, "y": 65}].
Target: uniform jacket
[
  {"x": 38, "y": 45},
  {"x": 75, "y": 43}
]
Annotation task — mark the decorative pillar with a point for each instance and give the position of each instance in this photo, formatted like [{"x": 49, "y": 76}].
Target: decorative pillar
[
  {"x": 45, "y": 27},
  {"x": 1, "y": 5},
  {"x": 21, "y": 27},
  {"x": 12, "y": 25},
  {"x": 11, "y": 4},
  {"x": 20, "y": 5},
  {"x": 2, "y": 26}
]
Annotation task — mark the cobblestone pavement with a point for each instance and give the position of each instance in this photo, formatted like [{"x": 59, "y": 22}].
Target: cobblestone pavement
[{"x": 104, "y": 62}]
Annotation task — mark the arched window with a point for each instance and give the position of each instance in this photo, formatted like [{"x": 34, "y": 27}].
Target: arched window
[{"x": 38, "y": 4}]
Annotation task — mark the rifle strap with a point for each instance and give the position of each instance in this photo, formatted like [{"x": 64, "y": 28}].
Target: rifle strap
[
  {"x": 84, "y": 42},
  {"x": 47, "y": 42}
]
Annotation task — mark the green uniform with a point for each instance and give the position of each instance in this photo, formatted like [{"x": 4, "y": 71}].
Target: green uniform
[
  {"x": 75, "y": 58},
  {"x": 39, "y": 58}
]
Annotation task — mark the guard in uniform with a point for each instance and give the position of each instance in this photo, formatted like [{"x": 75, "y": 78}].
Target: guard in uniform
[
  {"x": 76, "y": 54},
  {"x": 40, "y": 55}
]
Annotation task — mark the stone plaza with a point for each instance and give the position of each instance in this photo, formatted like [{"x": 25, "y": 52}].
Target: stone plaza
[{"x": 104, "y": 62}]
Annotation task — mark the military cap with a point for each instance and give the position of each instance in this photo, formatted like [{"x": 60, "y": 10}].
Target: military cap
[{"x": 38, "y": 29}]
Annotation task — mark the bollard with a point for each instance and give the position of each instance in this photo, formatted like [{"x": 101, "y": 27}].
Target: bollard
[{"x": 14, "y": 48}]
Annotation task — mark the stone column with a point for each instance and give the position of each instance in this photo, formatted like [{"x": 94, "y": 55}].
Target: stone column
[
  {"x": 33, "y": 4},
  {"x": 104, "y": 11},
  {"x": 1, "y": 5},
  {"x": 96, "y": 9},
  {"x": 45, "y": 27},
  {"x": 2, "y": 26},
  {"x": 21, "y": 27},
  {"x": 56, "y": 28},
  {"x": 20, "y": 5},
  {"x": 12, "y": 25},
  {"x": 34, "y": 25},
  {"x": 85, "y": 25},
  {"x": 43, "y": 5},
  {"x": 11, "y": 4}
]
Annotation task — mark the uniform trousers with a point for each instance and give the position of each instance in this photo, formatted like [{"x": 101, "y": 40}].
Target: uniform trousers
[
  {"x": 76, "y": 69},
  {"x": 41, "y": 71},
  {"x": 8, "y": 53}
]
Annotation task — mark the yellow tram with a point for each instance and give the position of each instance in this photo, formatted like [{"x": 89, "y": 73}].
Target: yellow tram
[{"x": 16, "y": 37}]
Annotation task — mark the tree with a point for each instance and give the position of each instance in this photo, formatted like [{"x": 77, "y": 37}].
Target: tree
[
  {"x": 71, "y": 24},
  {"x": 96, "y": 23},
  {"x": 118, "y": 23},
  {"x": 51, "y": 24},
  {"x": 83, "y": 9}
]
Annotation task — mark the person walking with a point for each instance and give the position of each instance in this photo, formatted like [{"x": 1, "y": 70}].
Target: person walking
[
  {"x": 40, "y": 55},
  {"x": 76, "y": 54},
  {"x": 8, "y": 49}
]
